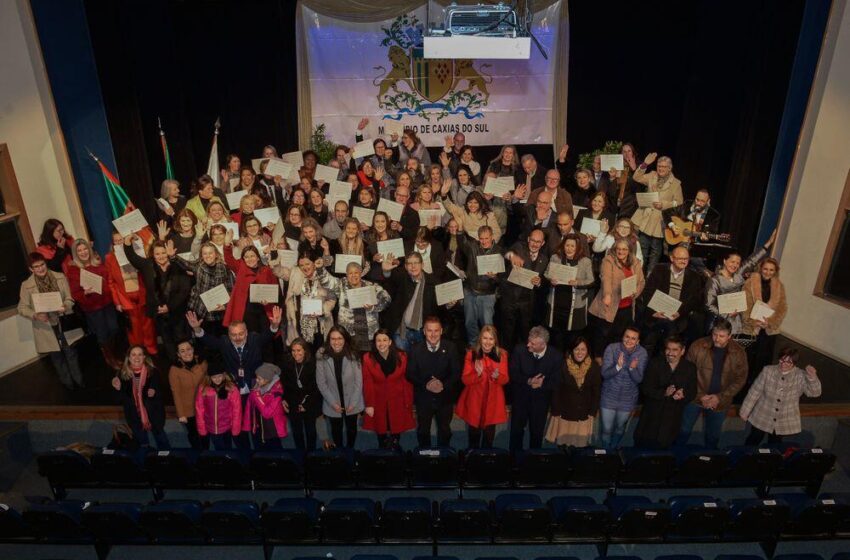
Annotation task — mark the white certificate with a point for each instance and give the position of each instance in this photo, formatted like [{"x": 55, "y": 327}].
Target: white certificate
[
  {"x": 609, "y": 161},
  {"x": 761, "y": 311},
  {"x": 456, "y": 271},
  {"x": 490, "y": 263},
  {"x": 561, "y": 272},
  {"x": 448, "y": 292},
  {"x": 664, "y": 303},
  {"x": 91, "y": 281},
  {"x": 736, "y": 302},
  {"x": 392, "y": 127},
  {"x": 363, "y": 215},
  {"x": 278, "y": 167},
  {"x": 339, "y": 189},
  {"x": 497, "y": 186},
  {"x": 430, "y": 216},
  {"x": 287, "y": 258},
  {"x": 359, "y": 298},
  {"x": 264, "y": 293},
  {"x": 234, "y": 199},
  {"x": 394, "y": 247},
  {"x": 120, "y": 255},
  {"x": 646, "y": 199},
  {"x": 260, "y": 247},
  {"x": 293, "y": 243},
  {"x": 190, "y": 257},
  {"x": 232, "y": 227},
  {"x": 589, "y": 226},
  {"x": 295, "y": 159},
  {"x": 341, "y": 262},
  {"x": 331, "y": 202},
  {"x": 214, "y": 297},
  {"x": 327, "y": 174},
  {"x": 130, "y": 223},
  {"x": 311, "y": 306},
  {"x": 256, "y": 163},
  {"x": 163, "y": 204},
  {"x": 393, "y": 209},
  {"x": 233, "y": 182},
  {"x": 577, "y": 209},
  {"x": 46, "y": 302},
  {"x": 628, "y": 286},
  {"x": 363, "y": 149},
  {"x": 522, "y": 277},
  {"x": 269, "y": 215}
]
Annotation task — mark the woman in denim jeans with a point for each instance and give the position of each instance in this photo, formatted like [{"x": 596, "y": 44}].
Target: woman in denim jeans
[{"x": 623, "y": 365}]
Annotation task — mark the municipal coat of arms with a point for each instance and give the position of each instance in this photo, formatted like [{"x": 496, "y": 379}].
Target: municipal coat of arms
[{"x": 427, "y": 87}]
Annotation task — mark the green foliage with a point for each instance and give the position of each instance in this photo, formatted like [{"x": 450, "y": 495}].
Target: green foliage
[
  {"x": 611, "y": 147},
  {"x": 320, "y": 144}
]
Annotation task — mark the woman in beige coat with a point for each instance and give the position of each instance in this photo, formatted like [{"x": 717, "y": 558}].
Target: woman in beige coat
[
  {"x": 764, "y": 287},
  {"x": 47, "y": 330},
  {"x": 474, "y": 213},
  {"x": 650, "y": 221},
  {"x": 612, "y": 310}
]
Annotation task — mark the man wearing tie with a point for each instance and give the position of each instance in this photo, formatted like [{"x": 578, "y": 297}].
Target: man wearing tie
[
  {"x": 433, "y": 367},
  {"x": 534, "y": 373}
]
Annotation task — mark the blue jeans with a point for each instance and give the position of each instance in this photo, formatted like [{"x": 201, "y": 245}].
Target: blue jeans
[
  {"x": 651, "y": 247},
  {"x": 712, "y": 425},
  {"x": 478, "y": 310},
  {"x": 613, "y": 426},
  {"x": 411, "y": 337}
]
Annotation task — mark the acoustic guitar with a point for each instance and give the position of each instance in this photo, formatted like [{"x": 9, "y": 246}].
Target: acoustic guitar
[{"x": 686, "y": 232}]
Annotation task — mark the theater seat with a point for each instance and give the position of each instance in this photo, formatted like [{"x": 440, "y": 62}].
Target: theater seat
[
  {"x": 278, "y": 468},
  {"x": 434, "y": 468},
  {"x": 799, "y": 556},
  {"x": 373, "y": 557},
  {"x": 696, "y": 518},
  {"x": 115, "y": 523},
  {"x": 812, "y": 518},
  {"x": 541, "y": 468},
  {"x": 637, "y": 518},
  {"x": 579, "y": 519},
  {"x": 120, "y": 468},
  {"x": 842, "y": 526},
  {"x": 591, "y": 467},
  {"x": 751, "y": 466},
  {"x": 440, "y": 557},
  {"x": 643, "y": 467},
  {"x": 805, "y": 467},
  {"x": 293, "y": 521},
  {"x": 174, "y": 468},
  {"x": 737, "y": 557},
  {"x": 173, "y": 522},
  {"x": 521, "y": 518},
  {"x": 381, "y": 468},
  {"x": 349, "y": 520},
  {"x": 556, "y": 558},
  {"x": 699, "y": 467},
  {"x": 12, "y": 525},
  {"x": 333, "y": 468},
  {"x": 232, "y": 522},
  {"x": 58, "y": 522},
  {"x": 752, "y": 519},
  {"x": 224, "y": 469},
  {"x": 407, "y": 520},
  {"x": 65, "y": 469},
  {"x": 486, "y": 468},
  {"x": 679, "y": 557},
  {"x": 465, "y": 521}
]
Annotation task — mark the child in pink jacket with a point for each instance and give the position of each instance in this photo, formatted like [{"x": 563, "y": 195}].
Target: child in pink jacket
[
  {"x": 264, "y": 415},
  {"x": 218, "y": 409}
]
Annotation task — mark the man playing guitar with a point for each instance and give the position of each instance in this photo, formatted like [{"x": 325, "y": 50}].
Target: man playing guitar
[{"x": 704, "y": 222}]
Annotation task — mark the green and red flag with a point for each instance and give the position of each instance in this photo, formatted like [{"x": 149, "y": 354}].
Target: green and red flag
[
  {"x": 166, "y": 155},
  {"x": 119, "y": 200}
]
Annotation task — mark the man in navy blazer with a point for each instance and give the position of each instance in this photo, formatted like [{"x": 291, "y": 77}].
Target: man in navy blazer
[
  {"x": 241, "y": 351},
  {"x": 535, "y": 371}
]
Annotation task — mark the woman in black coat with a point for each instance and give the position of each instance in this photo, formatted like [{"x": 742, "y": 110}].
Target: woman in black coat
[
  {"x": 576, "y": 400},
  {"x": 301, "y": 398},
  {"x": 138, "y": 388},
  {"x": 669, "y": 384}
]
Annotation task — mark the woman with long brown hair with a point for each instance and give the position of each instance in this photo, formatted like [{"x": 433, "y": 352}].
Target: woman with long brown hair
[
  {"x": 576, "y": 400},
  {"x": 387, "y": 394},
  {"x": 138, "y": 385},
  {"x": 566, "y": 311}
]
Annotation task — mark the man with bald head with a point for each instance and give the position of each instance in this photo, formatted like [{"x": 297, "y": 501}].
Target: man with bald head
[
  {"x": 675, "y": 279},
  {"x": 517, "y": 303},
  {"x": 539, "y": 214}
]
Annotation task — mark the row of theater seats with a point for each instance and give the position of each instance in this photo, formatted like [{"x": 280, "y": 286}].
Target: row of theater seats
[
  {"x": 510, "y": 518},
  {"x": 438, "y": 468}
]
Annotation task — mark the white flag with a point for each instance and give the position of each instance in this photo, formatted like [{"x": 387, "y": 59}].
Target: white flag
[{"x": 212, "y": 166}]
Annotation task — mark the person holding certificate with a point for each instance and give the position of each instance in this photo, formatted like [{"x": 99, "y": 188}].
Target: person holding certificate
[
  {"x": 765, "y": 289},
  {"x": 302, "y": 400},
  {"x": 474, "y": 213},
  {"x": 506, "y": 164},
  {"x": 129, "y": 295},
  {"x": 182, "y": 233},
  {"x": 251, "y": 234},
  {"x": 350, "y": 242},
  {"x": 170, "y": 201},
  {"x": 317, "y": 209},
  {"x": 231, "y": 172},
  {"x": 47, "y": 331},
  {"x": 380, "y": 231},
  {"x": 612, "y": 309},
  {"x": 623, "y": 230},
  {"x": 249, "y": 270},
  {"x": 482, "y": 402},
  {"x": 290, "y": 229},
  {"x": 479, "y": 293},
  {"x": 367, "y": 200},
  {"x": 138, "y": 387},
  {"x": 387, "y": 394},
  {"x": 597, "y": 210},
  {"x": 310, "y": 299},
  {"x": 90, "y": 289},
  {"x": 340, "y": 381},
  {"x": 425, "y": 201},
  {"x": 566, "y": 311},
  {"x": 167, "y": 288},
  {"x": 649, "y": 220},
  {"x": 517, "y": 302},
  {"x": 209, "y": 271},
  {"x": 216, "y": 215},
  {"x": 582, "y": 189},
  {"x": 408, "y": 224},
  {"x": 247, "y": 204},
  {"x": 54, "y": 244},
  {"x": 205, "y": 193},
  {"x": 560, "y": 199},
  {"x": 360, "y": 319},
  {"x": 312, "y": 242}
]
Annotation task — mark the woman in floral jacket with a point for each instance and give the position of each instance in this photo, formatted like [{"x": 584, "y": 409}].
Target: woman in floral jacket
[{"x": 361, "y": 322}]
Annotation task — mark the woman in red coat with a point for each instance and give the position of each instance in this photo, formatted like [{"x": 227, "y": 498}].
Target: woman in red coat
[
  {"x": 95, "y": 303},
  {"x": 128, "y": 295},
  {"x": 482, "y": 403},
  {"x": 249, "y": 270},
  {"x": 386, "y": 392}
]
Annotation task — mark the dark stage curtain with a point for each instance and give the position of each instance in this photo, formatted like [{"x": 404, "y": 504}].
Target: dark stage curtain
[{"x": 703, "y": 82}]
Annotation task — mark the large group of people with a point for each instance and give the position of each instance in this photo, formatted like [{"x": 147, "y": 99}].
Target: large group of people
[{"x": 574, "y": 310}]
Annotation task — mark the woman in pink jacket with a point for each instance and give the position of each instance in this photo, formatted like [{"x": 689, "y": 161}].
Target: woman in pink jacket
[
  {"x": 264, "y": 415},
  {"x": 218, "y": 409}
]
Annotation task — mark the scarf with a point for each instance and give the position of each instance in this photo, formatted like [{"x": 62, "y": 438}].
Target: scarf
[
  {"x": 387, "y": 364},
  {"x": 309, "y": 325},
  {"x": 46, "y": 283},
  {"x": 578, "y": 370},
  {"x": 220, "y": 389},
  {"x": 268, "y": 386},
  {"x": 140, "y": 379}
]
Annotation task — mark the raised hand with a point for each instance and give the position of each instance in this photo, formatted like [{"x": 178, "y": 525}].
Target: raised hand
[
  {"x": 771, "y": 240},
  {"x": 444, "y": 159},
  {"x": 277, "y": 316},
  {"x": 161, "y": 230},
  {"x": 169, "y": 249},
  {"x": 811, "y": 372},
  {"x": 562, "y": 154},
  {"x": 650, "y": 158},
  {"x": 193, "y": 321},
  {"x": 363, "y": 122}
]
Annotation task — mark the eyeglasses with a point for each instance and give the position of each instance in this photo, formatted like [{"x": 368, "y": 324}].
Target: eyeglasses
[{"x": 786, "y": 360}]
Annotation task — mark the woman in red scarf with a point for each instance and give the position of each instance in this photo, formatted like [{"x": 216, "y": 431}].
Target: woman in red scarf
[
  {"x": 249, "y": 270},
  {"x": 137, "y": 383}
]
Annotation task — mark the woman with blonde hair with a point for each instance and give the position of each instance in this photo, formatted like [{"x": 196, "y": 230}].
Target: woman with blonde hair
[
  {"x": 138, "y": 384},
  {"x": 482, "y": 403},
  {"x": 97, "y": 306},
  {"x": 764, "y": 287},
  {"x": 209, "y": 272},
  {"x": 612, "y": 309},
  {"x": 506, "y": 164}
]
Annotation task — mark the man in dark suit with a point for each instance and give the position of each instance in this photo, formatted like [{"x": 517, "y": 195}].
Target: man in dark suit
[
  {"x": 539, "y": 215},
  {"x": 532, "y": 174},
  {"x": 534, "y": 373},
  {"x": 433, "y": 256},
  {"x": 413, "y": 299},
  {"x": 433, "y": 368},
  {"x": 678, "y": 281},
  {"x": 517, "y": 303},
  {"x": 408, "y": 225}
]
